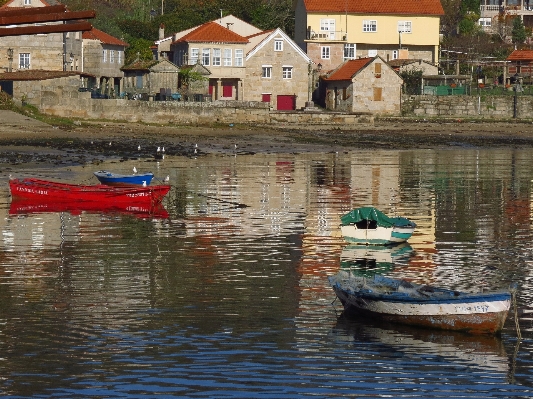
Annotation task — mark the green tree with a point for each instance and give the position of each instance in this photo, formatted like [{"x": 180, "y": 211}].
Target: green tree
[{"x": 518, "y": 33}]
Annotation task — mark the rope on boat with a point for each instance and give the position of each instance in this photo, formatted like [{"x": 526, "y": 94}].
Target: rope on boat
[{"x": 517, "y": 324}]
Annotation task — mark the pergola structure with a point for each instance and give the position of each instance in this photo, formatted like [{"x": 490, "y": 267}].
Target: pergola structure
[{"x": 73, "y": 21}]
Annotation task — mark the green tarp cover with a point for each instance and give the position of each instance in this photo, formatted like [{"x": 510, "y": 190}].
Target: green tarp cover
[{"x": 371, "y": 213}]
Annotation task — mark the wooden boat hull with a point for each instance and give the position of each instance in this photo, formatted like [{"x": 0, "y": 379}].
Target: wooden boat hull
[
  {"x": 115, "y": 179},
  {"x": 483, "y": 313},
  {"x": 377, "y": 236},
  {"x": 48, "y": 191},
  {"x": 27, "y": 207}
]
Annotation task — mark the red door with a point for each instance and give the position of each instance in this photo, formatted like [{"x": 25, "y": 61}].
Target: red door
[
  {"x": 286, "y": 102},
  {"x": 227, "y": 89},
  {"x": 265, "y": 98}
]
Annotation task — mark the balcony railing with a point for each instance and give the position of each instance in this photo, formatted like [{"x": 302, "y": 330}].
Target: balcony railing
[{"x": 327, "y": 35}]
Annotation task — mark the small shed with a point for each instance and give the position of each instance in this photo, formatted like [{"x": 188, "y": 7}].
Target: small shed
[
  {"x": 363, "y": 85},
  {"x": 151, "y": 77}
]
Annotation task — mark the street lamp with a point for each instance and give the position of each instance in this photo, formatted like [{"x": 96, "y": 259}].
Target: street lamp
[{"x": 10, "y": 52}]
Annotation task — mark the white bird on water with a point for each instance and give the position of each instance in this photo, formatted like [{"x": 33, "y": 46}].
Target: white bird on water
[
  {"x": 144, "y": 183},
  {"x": 134, "y": 169},
  {"x": 195, "y": 148},
  {"x": 139, "y": 148},
  {"x": 167, "y": 178},
  {"x": 158, "y": 149}
]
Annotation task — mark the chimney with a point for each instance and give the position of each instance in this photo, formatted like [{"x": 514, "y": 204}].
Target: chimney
[{"x": 161, "y": 31}]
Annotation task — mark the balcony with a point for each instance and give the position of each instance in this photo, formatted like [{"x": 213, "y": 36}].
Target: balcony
[{"x": 326, "y": 36}]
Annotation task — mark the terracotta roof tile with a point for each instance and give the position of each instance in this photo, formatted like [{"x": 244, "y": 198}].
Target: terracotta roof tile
[
  {"x": 347, "y": 70},
  {"x": 212, "y": 32},
  {"x": 521, "y": 55},
  {"x": 411, "y": 7},
  {"x": 96, "y": 34}
]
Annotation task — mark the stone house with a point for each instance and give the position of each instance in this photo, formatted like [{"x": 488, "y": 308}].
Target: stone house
[
  {"x": 151, "y": 77},
  {"x": 277, "y": 71},
  {"x": 50, "y": 51},
  {"x": 520, "y": 62},
  {"x": 331, "y": 32},
  {"x": 221, "y": 51},
  {"x": 363, "y": 85},
  {"x": 103, "y": 57}
]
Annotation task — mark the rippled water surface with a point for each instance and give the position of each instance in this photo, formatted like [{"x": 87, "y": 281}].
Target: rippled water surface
[{"x": 228, "y": 296}]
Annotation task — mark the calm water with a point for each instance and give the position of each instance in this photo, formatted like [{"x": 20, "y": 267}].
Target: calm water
[{"x": 228, "y": 297}]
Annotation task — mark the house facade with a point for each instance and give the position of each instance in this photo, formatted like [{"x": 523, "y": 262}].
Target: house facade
[
  {"x": 277, "y": 71},
  {"x": 335, "y": 31},
  {"x": 103, "y": 57},
  {"x": 50, "y": 51},
  {"x": 363, "y": 85}
]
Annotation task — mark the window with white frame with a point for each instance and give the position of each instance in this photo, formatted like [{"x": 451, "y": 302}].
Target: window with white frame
[
  {"x": 349, "y": 51},
  {"x": 325, "y": 52},
  {"x": 194, "y": 56},
  {"x": 227, "y": 57},
  {"x": 370, "y": 25},
  {"x": 119, "y": 57},
  {"x": 206, "y": 56},
  {"x": 485, "y": 21},
  {"x": 266, "y": 71},
  {"x": 394, "y": 54},
  {"x": 24, "y": 61},
  {"x": 287, "y": 72},
  {"x": 404, "y": 26},
  {"x": 239, "y": 55},
  {"x": 278, "y": 45},
  {"x": 104, "y": 55},
  {"x": 112, "y": 56},
  {"x": 372, "y": 53},
  {"x": 217, "y": 53},
  {"x": 327, "y": 28}
]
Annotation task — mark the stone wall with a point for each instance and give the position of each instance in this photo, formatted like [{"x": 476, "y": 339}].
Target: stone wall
[{"x": 491, "y": 107}]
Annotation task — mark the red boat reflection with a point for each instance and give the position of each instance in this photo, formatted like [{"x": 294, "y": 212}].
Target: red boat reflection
[{"x": 143, "y": 211}]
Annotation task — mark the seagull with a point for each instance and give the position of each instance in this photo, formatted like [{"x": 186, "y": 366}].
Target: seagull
[
  {"x": 144, "y": 183},
  {"x": 163, "y": 149},
  {"x": 134, "y": 169},
  {"x": 139, "y": 148},
  {"x": 110, "y": 143},
  {"x": 167, "y": 178},
  {"x": 158, "y": 149},
  {"x": 195, "y": 148}
]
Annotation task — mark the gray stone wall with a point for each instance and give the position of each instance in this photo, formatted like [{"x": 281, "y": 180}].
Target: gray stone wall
[{"x": 490, "y": 107}]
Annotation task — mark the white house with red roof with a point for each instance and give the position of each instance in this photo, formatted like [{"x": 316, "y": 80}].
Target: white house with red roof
[
  {"x": 331, "y": 32},
  {"x": 363, "y": 85}
]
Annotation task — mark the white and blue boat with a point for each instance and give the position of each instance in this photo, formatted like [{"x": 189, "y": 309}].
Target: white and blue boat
[
  {"x": 400, "y": 301},
  {"x": 116, "y": 179},
  {"x": 369, "y": 226}
]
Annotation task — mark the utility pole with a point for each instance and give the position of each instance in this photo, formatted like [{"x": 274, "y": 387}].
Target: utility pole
[{"x": 162, "y": 6}]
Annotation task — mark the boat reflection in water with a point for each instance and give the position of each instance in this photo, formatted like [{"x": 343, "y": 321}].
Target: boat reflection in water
[
  {"x": 484, "y": 351},
  {"x": 142, "y": 211},
  {"x": 366, "y": 260}
]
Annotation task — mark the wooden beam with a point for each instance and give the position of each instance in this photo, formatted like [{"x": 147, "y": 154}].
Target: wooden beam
[
  {"x": 13, "y": 12},
  {"x": 48, "y": 17},
  {"x": 43, "y": 29}
]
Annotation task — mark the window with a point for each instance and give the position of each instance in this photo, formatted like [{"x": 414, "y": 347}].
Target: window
[
  {"x": 327, "y": 29},
  {"x": 394, "y": 54},
  {"x": 404, "y": 26},
  {"x": 370, "y": 26},
  {"x": 24, "y": 61},
  {"x": 104, "y": 55},
  {"x": 378, "y": 94},
  {"x": 485, "y": 21},
  {"x": 194, "y": 56},
  {"x": 206, "y": 56},
  {"x": 112, "y": 56},
  {"x": 227, "y": 57},
  {"x": 267, "y": 71},
  {"x": 216, "y": 56},
  {"x": 27, "y": 2},
  {"x": 265, "y": 97},
  {"x": 287, "y": 72},
  {"x": 278, "y": 45},
  {"x": 372, "y": 53},
  {"x": 325, "y": 52},
  {"x": 239, "y": 57},
  {"x": 349, "y": 51},
  {"x": 119, "y": 57}
]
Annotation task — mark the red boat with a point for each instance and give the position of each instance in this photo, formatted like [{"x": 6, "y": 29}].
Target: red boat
[
  {"x": 105, "y": 196},
  {"x": 27, "y": 206}
]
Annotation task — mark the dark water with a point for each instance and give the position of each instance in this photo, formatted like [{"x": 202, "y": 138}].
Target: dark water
[{"x": 228, "y": 298}]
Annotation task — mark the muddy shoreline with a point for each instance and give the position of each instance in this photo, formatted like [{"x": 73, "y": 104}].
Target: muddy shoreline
[{"x": 23, "y": 139}]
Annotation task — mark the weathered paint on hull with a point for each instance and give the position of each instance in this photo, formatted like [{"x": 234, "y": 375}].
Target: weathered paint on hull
[
  {"x": 483, "y": 317},
  {"x": 377, "y": 236}
]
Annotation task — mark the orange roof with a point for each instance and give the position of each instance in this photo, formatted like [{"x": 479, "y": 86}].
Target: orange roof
[
  {"x": 213, "y": 33},
  {"x": 412, "y": 7},
  {"x": 521, "y": 55},
  {"x": 347, "y": 70},
  {"x": 96, "y": 34}
]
